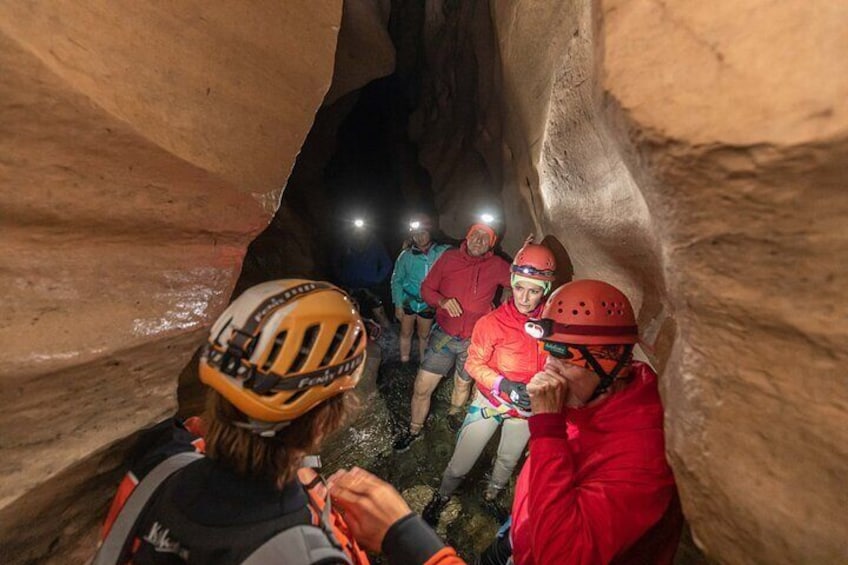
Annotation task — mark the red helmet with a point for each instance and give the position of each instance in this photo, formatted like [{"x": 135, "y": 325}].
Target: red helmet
[
  {"x": 586, "y": 312},
  {"x": 535, "y": 262}
]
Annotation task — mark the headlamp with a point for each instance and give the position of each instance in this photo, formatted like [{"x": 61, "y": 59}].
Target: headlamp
[
  {"x": 414, "y": 225},
  {"x": 359, "y": 223},
  {"x": 538, "y": 329},
  {"x": 487, "y": 218},
  {"x": 530, "y": 271}
]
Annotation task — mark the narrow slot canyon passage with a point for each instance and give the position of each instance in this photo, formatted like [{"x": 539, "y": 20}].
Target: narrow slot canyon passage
[{"x": 158, "y": 161}]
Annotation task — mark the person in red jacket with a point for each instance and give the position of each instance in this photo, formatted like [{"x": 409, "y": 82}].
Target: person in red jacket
[
  {"x": 596, "y": 487},
  {"x": 461, "y": 286},
  {"x": 502, "y": 359}
]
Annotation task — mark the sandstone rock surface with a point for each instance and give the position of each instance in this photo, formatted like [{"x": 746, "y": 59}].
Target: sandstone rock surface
[
  {"x": 694, "y": 155},
  {"x": 143, "y": 147}
]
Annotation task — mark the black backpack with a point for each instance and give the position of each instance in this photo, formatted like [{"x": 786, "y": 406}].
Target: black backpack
[{"x": 295, "y": 544}]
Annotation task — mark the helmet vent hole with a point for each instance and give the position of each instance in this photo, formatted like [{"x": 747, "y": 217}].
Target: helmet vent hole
[
  {"x": 575, "y": 312},
  {"x": 309, "y": 337},
  {"x": 358, "y": 340},
  {"x": 620, "y": 313},
  {"x": 559, "y": 311},
  {"x": 604, "y": 303},
  {"x": 338, "y": 338},
  {"x": 275, "y": 351},
  {"x": 609, "y": 312},
  {"x": 588, "y": 313},
  {"x": 582, "y": 304}
]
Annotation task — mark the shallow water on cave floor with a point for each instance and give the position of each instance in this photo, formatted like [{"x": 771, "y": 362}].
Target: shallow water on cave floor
[{"x": 467, "y": 523}]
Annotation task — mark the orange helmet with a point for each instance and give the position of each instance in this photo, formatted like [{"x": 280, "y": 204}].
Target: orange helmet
[
  {"x": 586, "y": 315},
  {"x": 535, "y": 262},
  {"x": 586, "y": 312},
  {"x": 283, "y": 347}
]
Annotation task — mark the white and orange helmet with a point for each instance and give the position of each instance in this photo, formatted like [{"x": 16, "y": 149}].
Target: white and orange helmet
[{"x": 283, "y": 347}]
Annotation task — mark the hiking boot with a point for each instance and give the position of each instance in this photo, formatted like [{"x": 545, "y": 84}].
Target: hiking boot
[
  {"x": 491, "y": 493},
  {"x": 404, "y": 440},
  {"x": 433, "y": 511}
]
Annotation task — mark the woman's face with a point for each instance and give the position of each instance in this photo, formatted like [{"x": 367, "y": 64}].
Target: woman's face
[
  {"x": 527, "y": 296},
  {"x": 421, "y": 238}
]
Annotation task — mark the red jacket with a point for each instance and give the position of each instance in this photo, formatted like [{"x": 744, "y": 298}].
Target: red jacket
[
  {"x": 501, "y": 347},
  {"x": 602, "y": 491},
  {"x": 471, "y": 280}
]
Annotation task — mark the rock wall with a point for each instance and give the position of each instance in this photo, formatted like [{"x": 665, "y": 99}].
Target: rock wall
[
  {"x": 142, "y": 147},
  {"x": 694, "y": 155}
]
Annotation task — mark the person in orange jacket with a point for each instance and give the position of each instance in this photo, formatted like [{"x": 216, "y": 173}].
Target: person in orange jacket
[
  {"x": 502, "y": 359},
  {"x": 281, "y": 363}
]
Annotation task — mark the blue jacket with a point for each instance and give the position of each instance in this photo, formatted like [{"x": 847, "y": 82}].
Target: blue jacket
[
  {"x": 411, "y": 267},
  {"x": 362, "y": 269}
]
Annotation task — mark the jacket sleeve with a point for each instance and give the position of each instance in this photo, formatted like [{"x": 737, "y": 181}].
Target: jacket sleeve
[
  {"x": 410, "y": 541},
  {"x": 591, "y": 520},
  {"x": 480, "y": 352},
  {"x": 431, "y": 283},
  {"x": 398, "y": 276}
]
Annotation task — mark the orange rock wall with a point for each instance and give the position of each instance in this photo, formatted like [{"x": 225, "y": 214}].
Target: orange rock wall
[
  {"x": 695, "y": 154},
  {"x": 142, "y": 147}
]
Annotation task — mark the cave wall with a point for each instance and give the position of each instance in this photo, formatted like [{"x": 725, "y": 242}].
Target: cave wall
[
  {"x": 142, "y": 148},
  {"x": 694, "y": 155}
]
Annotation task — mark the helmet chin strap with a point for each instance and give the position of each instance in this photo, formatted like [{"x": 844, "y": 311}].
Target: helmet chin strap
[{"x": 606, "y": 378}]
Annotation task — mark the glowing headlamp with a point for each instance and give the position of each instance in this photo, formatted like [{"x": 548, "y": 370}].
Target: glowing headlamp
[
  {"x": 359, "y": 223},
  {"x": 530, "y": 271},
  {"x": 539, "y": 329},
  {"x": 416, "y": 225},
  {"x": 487, "y": 218}
]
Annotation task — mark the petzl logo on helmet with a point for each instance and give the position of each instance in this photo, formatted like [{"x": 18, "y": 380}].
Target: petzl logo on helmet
[{"x": 282, "y": 298}]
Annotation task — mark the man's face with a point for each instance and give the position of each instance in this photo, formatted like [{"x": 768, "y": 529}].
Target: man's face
[
  {"x": 477, "y": 243},
  {"x": 527, "y": 296},
  {"x": 581, "y": 382},
  {"x": 421, "y": 238}
]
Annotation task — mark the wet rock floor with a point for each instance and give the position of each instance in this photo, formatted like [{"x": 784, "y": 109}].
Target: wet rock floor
[{"x": 467, "y": 523}]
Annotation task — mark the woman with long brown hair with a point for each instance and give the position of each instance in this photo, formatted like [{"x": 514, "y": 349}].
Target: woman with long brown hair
[{"x": 280, "y": 362}]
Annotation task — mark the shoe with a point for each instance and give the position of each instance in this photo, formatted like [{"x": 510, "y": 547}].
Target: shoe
[
  {"x": 404, "y": 440},
  {"x": 491, "y": 493},
  {"x": 433, "y": 510}
]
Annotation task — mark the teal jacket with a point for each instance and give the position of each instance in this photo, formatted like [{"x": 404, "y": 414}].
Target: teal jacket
[{"x": 411, "y": 267}]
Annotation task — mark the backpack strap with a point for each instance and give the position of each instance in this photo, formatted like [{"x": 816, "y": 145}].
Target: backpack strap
[
  {"x": 113, "y": 546},
  {"x": 299, "y": 545}
]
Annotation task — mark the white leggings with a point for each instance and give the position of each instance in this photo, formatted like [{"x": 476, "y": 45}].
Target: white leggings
[{"x": 476, "y": 432}]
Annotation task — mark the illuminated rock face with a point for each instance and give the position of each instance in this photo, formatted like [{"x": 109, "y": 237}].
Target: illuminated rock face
[
  {"x": 696, "y": 156},
  {"x": 141, "y": 149}
]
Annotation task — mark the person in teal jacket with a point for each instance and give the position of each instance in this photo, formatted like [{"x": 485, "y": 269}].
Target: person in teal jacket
[{"x": 411, "y": 267}]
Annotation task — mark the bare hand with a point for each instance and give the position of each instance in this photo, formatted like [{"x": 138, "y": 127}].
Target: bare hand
[
  {"x": 370, "y": 505},
  {"x": 547, "y": 391},
  {"x": 399, "y": 313},
  {"x": 452, "y": 306}
]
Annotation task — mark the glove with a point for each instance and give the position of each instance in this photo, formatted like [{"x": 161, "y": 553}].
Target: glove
[{"x": 515, "y": 392}]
